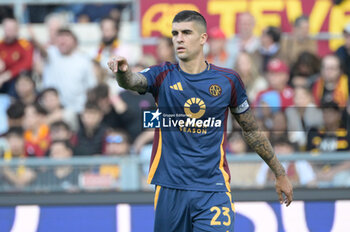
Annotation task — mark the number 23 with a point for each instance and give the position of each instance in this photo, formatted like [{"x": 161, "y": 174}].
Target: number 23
[{"x": 226, "y": 212}]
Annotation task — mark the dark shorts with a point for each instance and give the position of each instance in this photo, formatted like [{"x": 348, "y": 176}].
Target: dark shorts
[{"x": 192, "y": 211}]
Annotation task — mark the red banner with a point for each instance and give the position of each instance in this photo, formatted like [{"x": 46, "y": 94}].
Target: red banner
[{"x": 156, "y": 15}]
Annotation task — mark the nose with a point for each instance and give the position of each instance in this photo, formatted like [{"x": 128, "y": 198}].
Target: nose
[{"x": 179, "y": 38}]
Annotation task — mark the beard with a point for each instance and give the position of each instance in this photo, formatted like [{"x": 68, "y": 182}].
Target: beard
[
  {"x": 10, "y": 40},
  {"x": 108, "y": 41}
]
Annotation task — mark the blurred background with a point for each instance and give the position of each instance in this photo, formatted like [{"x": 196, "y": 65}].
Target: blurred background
[{"x": 72, "y": 145}]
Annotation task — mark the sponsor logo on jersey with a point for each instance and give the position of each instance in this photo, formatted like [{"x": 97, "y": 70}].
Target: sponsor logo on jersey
[
  {"x": 177, "y": 86},
  {"x": 194, "y": 107}
]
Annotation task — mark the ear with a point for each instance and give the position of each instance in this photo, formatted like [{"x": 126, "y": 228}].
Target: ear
[{"x": 204, "y": 38}]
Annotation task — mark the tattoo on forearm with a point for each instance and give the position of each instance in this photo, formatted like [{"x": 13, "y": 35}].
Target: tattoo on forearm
[
  {"x": 132, "y": 81},
  {"x": 256, "y": 139}
]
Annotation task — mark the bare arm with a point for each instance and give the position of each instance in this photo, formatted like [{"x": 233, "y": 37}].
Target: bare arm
[
  {"x": 19, "y": 180},
  {"x": 36, "y": 43},
  {"x": 256, "y": 139},
  {"x": 127, "y": 79}
]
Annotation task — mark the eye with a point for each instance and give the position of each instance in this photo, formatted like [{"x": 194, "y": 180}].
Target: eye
[{"x": 174, "y": 33}]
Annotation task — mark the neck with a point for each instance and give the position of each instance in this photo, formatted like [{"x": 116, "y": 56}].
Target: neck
[
  {"x": 246, "y": 36},
  {"x": 193, "y": 66},
  {"x": 331, "y": 85},
  {"x": 90, "y": 131},
  {"x": 10, "y": 40},
  {"x": 28, "y": 99},
  {"x": 332, "y": 127}
]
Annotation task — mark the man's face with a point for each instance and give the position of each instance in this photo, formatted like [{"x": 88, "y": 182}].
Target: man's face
[
  {"x": 32, "y": 119},
  {"x": 188, "y": 39},
  {"x": 347, "y": 40},
  {"x": 24, "y": 87},
  {"x": 65, "y": 43},
  {"x": 283, "y": 149},
  {"x": 91, "y": 118},
  {"x": 10, "y": 30},
  {"x": 330, "y": 70},
  {"x": 217, "y": 46},
  {"x": 331, "y": 118},
  {"x": 60, "y": 133},
  {"x": 16, "y": 144},
  {"x": 108, "y": 30},
  {"x": 246, "y": 24},
  {"x": 277, "y": 80},
  {"x": 164, "y": 50},
  {"x": 60, "y": 151},
  {"x": 266, "y": 40},
  {"x": 116, "y": 145},
  {"x": 51, "y": 101},
  {"x": 303, "y": 29}
]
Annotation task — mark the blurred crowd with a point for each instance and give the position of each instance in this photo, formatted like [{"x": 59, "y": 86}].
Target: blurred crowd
[{"x": 56, "y": 101}]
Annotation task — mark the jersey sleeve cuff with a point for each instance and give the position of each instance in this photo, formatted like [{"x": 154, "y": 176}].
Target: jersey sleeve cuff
[{"x": 243, "y": 107}]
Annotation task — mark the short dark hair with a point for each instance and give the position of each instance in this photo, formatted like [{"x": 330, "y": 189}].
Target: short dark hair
[
  {"x": 109, "y": 18},
  {"x": 300, "y": 19},
  {"x": 16, "y": 110},
  {"x": 101, "y": 91},
  {"x": 65, "y": 142},
  {"x": 330, "y": 105},
  {"x": 17, "y": 131},
  {"x": 38, "y": 108},
  {"x": 51, "y": 89},
  {"x": 274, "y": 33},
  {"x": 190, "y": 15},
  {"x": 26, "y": 75},
  {"x": 58, "y": 124},
  {"x": 67, "y": 31},
  {"x": 92, "y": 105},
  {"x": 9, "y": 17}
]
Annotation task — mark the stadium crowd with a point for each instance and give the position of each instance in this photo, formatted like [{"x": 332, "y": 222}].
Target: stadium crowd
[{"x": 56, "y": 101}]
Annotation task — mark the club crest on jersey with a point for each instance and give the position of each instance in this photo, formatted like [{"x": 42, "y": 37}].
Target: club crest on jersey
[{"x": 215, "y": 90}]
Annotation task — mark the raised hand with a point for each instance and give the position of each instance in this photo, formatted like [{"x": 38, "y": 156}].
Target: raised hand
[
  {"x": 127, "y": 79},
  {"x": 118, "y": 64}
]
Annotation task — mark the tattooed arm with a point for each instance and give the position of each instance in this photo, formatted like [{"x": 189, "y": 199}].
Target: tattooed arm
[
  {"x": 256, "y": 139},
  {"x": 127, "y": 79}
]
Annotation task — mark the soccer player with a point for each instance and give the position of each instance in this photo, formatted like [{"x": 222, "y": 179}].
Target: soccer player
[{"x": 188, "y": 164}]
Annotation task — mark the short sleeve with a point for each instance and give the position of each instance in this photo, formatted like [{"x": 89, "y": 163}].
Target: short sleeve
[
  {"x": 239, "y": 100},
  {"x": 155, "y": 76},
  {"x": 151, "y": 75}
]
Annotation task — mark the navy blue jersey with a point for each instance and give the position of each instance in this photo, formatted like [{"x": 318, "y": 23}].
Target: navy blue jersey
[{"x": 189, "y": 148}]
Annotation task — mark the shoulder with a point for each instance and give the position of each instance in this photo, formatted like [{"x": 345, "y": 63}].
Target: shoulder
[
  {"x": 24, "y": 44},
  {"x": 341, "y": 50},
  {"x": 160, "y": 68},
  {"x": 230, "y": 74},
  {"x": 164, "y": 66}
]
